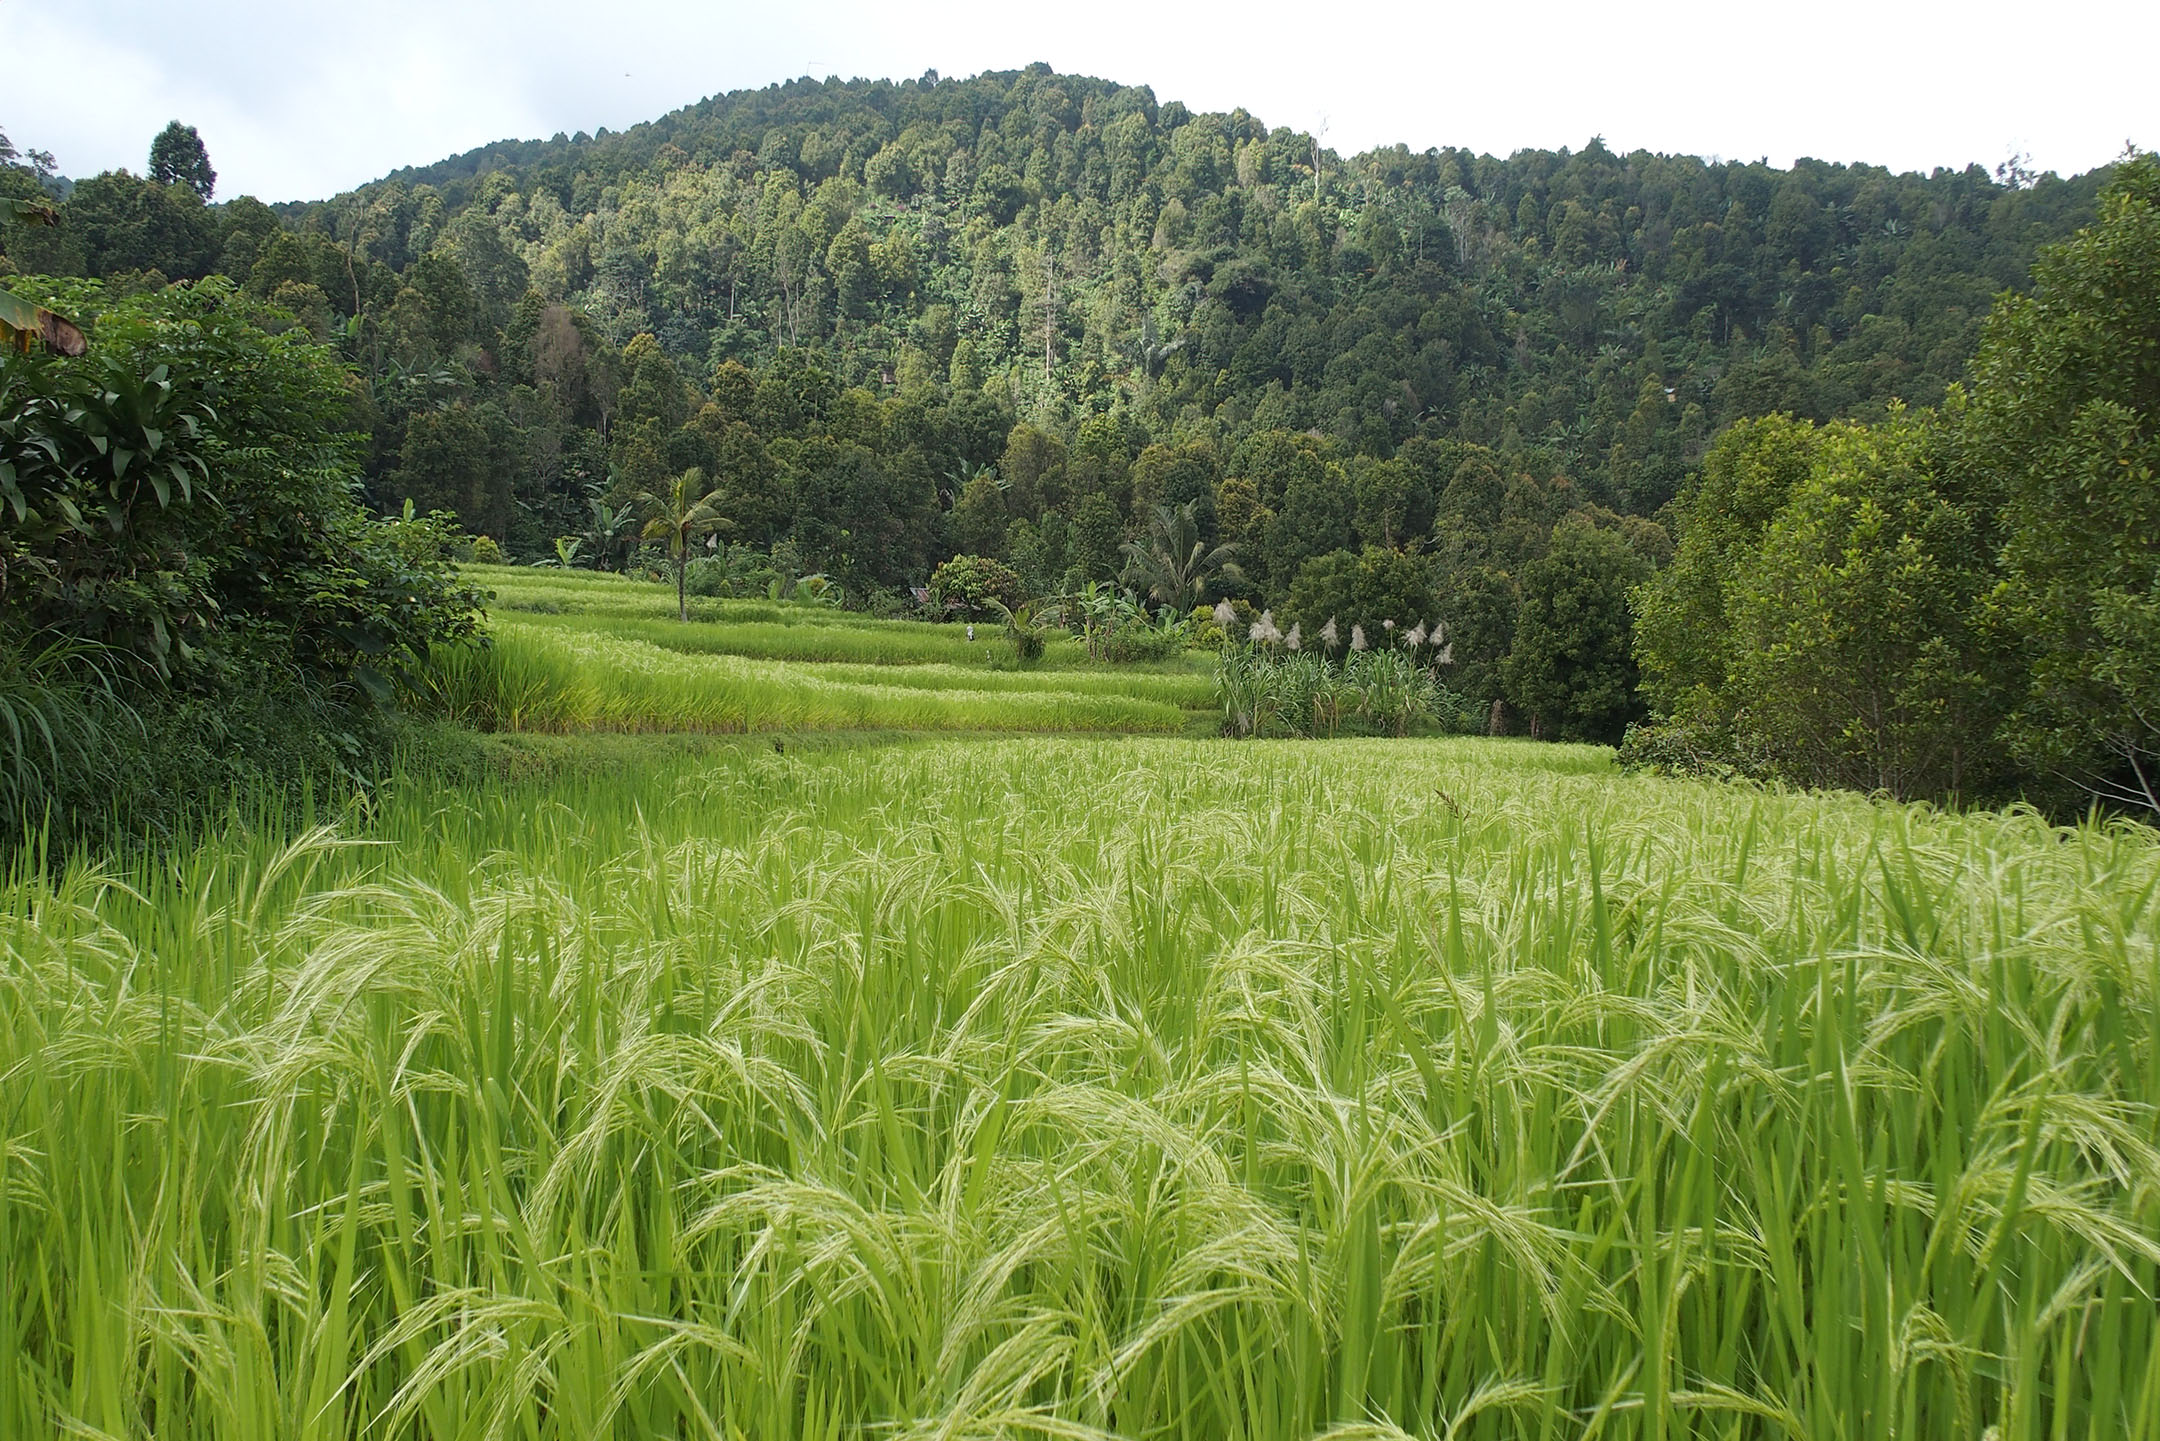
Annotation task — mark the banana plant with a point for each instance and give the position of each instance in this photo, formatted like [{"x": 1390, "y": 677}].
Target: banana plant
[{"x": 24, "y": 323}]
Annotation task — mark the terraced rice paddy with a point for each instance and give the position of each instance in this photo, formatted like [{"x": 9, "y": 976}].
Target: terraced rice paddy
[
  {"x": 1089, "y": 1087},
  {"x": 576, "y": 652}
]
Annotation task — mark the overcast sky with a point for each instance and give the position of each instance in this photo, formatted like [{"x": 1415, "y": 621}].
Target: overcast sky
[{"x": 298, "y": 100}]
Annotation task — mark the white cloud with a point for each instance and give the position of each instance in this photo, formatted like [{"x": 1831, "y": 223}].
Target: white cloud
[{"x": 299, "y": 101}]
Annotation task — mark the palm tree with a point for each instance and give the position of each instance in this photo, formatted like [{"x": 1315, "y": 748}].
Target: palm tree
[
  {"x": 1174, "y": 564},
  {"x": 680, "y": 515}
]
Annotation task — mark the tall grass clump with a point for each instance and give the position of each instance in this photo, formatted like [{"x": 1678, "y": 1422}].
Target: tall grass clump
[
  {"x": 1261, "y": 692},
  {"x": 1105, "y": 1088}
]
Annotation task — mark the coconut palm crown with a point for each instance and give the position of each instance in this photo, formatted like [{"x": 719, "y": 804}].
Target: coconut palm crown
[{"x": 681, "y": 515}]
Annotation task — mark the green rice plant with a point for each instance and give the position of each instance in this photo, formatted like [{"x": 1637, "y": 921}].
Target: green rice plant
[{"x": 1089, "y": 1088}]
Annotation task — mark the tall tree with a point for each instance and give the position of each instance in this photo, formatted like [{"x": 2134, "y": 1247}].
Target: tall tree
[
  {"x": 177, "y": 157},
  {"x": 1854, "y": 659},
  {"x": 2067, "y": 411},
  {"x": 1570, "y": 669}
]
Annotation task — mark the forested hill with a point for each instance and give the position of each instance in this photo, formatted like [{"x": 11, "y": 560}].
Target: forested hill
[{"x": 906, "y": 271}]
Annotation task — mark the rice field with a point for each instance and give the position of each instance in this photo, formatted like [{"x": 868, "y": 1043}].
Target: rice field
[
  {"x": 1089, "y": 1087},
  {"x": 575, "y": 652},
  {"x": 765, "y": 630},
  {"x": 578, "y": 679}
]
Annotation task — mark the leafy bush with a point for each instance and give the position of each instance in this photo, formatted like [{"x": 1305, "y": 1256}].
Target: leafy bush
[
  {"x": 975, "y": 584},
  {"x": 193, "y": 476},
  {"x": 1136, "y": 643},
  {"x": 184, "y": 561}
]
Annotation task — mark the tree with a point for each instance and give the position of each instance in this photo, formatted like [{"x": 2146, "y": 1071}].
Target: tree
[
  {"x": 126, "y": 224},
  {"x": 1685, "y": 640},
  {"x": 177, "y": 157},
  {"x": 1174, "y": 565},
  {"x": 976, "y": 584},
  {"x": 1366, "y": 589},
  {"x": 1855, "y": 657},
  {"x": 449, "y": 462},
  {"x": 1479, "y": 604},
  {"x": 978, "y": 519},
  {"x": 1570, "y": 669},
  {"x": 2066, "y": 410},
  {"x": 1098, "y": 536},
  {"x": 681, "y": 515}
]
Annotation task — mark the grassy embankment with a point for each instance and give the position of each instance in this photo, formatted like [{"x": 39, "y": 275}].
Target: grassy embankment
[{"x": 1071, "y": 1087}]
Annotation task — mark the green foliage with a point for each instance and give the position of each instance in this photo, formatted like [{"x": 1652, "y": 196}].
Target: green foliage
[
  {"x": 1263, "y": 692},
  {"x": 976, "y": 585},
  {"x": 1688, "y": 642},
  {"x": 956, "y": 251},
  {"x": 453, "y": 461},
  {"x": 2065, "y": 426},
  {"x": 1570, "y": 668},
  {"x": 178, "y": 157},
  {"x": 1367, "y": 590},
  {"x": 1951, "y": 604},
  {"x": 179, "y": 535},
  {"x": 679, "y": 515},
  {"x": 189, "y": 480},
  {"x": 1174, "y": 565},
  {"x": 1855, "y": 659},
  {"x": 1024, "y": 628}
]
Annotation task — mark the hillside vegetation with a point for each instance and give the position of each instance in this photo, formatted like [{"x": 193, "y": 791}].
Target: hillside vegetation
[
  {"x": 1069, "y": 252},
  {"x": 883, "y": 326}
]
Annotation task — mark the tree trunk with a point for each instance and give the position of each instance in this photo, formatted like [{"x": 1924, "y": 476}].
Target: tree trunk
[{"x": 682, "y": 594}]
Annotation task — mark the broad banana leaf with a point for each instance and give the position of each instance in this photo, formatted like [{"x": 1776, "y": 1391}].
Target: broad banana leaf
[{"x": 20, "y": 321}]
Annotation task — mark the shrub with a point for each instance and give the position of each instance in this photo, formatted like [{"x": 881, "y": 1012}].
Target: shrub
[
  {"x": 188, "y": 570},
  {"x": 1132, "y": 644},
  {"x": 975, "y": 584},
  {"x": 191, "y": 478}
]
